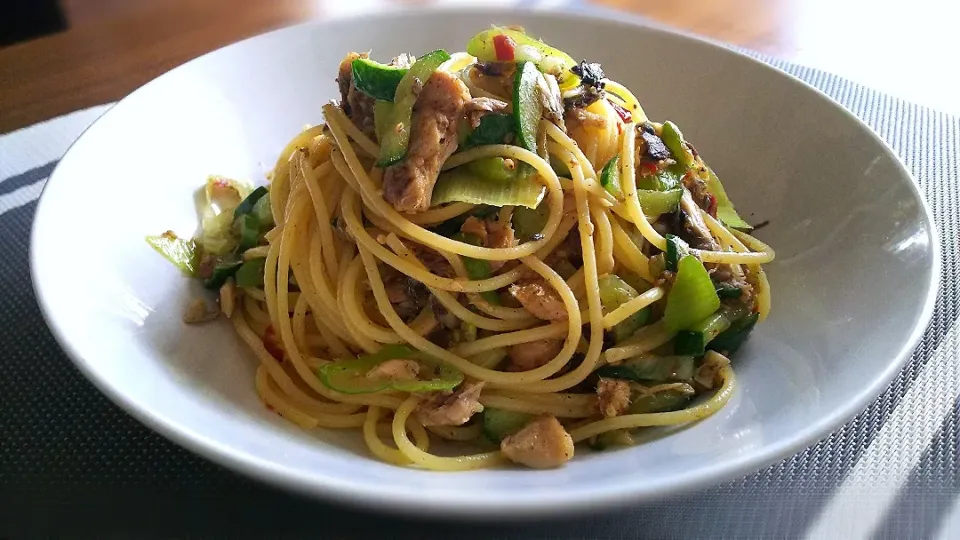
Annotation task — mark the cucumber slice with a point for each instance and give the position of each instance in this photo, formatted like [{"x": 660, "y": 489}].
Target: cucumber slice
[
  {"x": 527, "y": 109},
  {"x": 663, "y": 401},
  {"x": 396, "y": 128},
  {"x": 615, "y": 292},
  {"x": 692, "y": 297},
  {"x": 673, "y": 139},
  {"x": 493, "y": 129},
  {"x": 498, "y": 423},
  {"x": 610, "y": 439},
  {"x": 676, "y": 249},
  {"x": 528, "y": 222},
  {"x": 463, "y": 185},
  {"x": 730, "y": 341},
  {"x": 650, "y": 368},
  {"x": 376, "y": 80},
  {"x": 655, "y": 203},
  {"x": 610, "y": 179},
  {"x": 250, "y": 273},
  {"x": 694, "y": 341},
  {"x": 246, "y": 206},
  {"x": 224, "y": 269}
]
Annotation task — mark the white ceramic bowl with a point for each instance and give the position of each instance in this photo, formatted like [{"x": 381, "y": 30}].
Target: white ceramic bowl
[{"x": 853, "y": 284}]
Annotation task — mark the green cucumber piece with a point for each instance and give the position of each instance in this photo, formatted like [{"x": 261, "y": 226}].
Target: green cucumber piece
[
  {"x": 263, "y": 213},
  {"x": 463, "y": 185},
  {"x": 247, "y": 205},
  {"x": 692, "y": 297},
  {"x": 224, "y": 269},
  {"x": 396, "y": 129},
  {"x": 493, "y": 129},
  {"x": 655, "y": 203},
  {"x": 376, "y": 80},
  {"x": 676, "y": 249},
  {"x": 610, "y": 439},
  {"x": 725, "y": 290},
  {"x": 527, "y": 108},
  {"x": 528, "y": 222},
  {"x": 610, "y": 179},
  {"x": 615, "y": 292},
  {"x": 730, "y": 341},
  {"x": 651, "y": 368},
  {"x": 250, "y": 273},
  {"x": 663, "y": 401},
  {"x": 673, "y": 139},
  {"x": 477, "y": 268},
  {"x": 350, "y": 376},
  {"x": 725, "y": 210},
  {"x": 499, "y": 423},
  {"x": 694, "y": 341},
  {"x": 247, "y": 228}
]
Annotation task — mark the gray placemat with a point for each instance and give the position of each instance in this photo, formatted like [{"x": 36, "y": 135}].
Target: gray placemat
[{"x": 72, "y": 464}]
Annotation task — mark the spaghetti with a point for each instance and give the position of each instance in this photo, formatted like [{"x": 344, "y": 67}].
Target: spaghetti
[{"x": 581, "y": 276}]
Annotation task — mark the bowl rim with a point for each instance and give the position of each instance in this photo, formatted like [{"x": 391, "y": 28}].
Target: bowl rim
[{"x": 582, "y": 500}]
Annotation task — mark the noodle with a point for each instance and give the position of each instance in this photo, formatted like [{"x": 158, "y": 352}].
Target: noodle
[{"x": 345, "y": 274}]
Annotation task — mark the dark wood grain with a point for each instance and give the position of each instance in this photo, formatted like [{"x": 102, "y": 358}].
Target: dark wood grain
[{"x": 114, "y": 46}]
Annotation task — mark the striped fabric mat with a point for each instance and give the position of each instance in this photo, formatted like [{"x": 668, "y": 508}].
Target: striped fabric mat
[{"x": 71, "y": 463}]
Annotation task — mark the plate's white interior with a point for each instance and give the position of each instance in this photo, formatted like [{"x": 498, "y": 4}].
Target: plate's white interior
[{"x": 853, "y": 281}]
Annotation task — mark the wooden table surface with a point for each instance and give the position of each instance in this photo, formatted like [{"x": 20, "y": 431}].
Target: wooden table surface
[{"x": 113, "y": 46}]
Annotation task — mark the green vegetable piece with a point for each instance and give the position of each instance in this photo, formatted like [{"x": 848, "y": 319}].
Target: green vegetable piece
[
  {"x": 559, "y": 167},
  {"x": 247, "y": 227},
  {"x": 662, "y": 401},
  {"x": 395, "y": 129},
  {"x": 726, "y": 290},
  {"x": 548, "y": 59},
  {"x": 350, "y": 376},
  {"x": 691, "y": 298},
  {"x": 730, "y": 341},
  {"x": 382, "y": 114},
  {"x": 527, "y": 107},
  {"x": 610, "y": 439},
  {"x": 658, "y": 263},
  {"x": 463, "y": 185},
  {"x": 250, "y": 273},
  {"x": 494, "y": 169},
  {"x": 651, "y": 368},
  {"x": 676, "y": 249},
  {"x": 493, "y": 129},
  {"x": 499, "y": 423},
  {"x": 655, "y": 203},
  {"x": 263, "y": 213},
  {"x": 246, "y": 206},
  {"x": 615, "y": 292},
  {"x": 477, "y": 268},
  {"x": 182, "y": 253},
  {"x": 610, "y": 179},
  {"x": 725, "y": 210},
  {"x": 694, "y": 341},
  {"x": 376, "y": 80},
  {"x": 528, "y": 222},
  {"x": 673, "y": 139},
  {"x": 224, "y": 269}
]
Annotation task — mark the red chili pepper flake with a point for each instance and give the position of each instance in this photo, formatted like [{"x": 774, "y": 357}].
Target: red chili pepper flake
[
  {"x": 648, "y": 168},
  {"x": 711, "y": 205},
  {"x": 623, "y": 113},
  {"x": 270, "y": 407},
  {"x": 505, "y": 47},
  {"x": 271, "y": 344}
]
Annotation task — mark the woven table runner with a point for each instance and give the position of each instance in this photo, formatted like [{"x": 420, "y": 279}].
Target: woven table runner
[{"x": 74, "y": 465}]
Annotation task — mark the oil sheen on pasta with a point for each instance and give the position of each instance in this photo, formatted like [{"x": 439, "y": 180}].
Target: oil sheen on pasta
[{"x": 494, "y": 247}]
